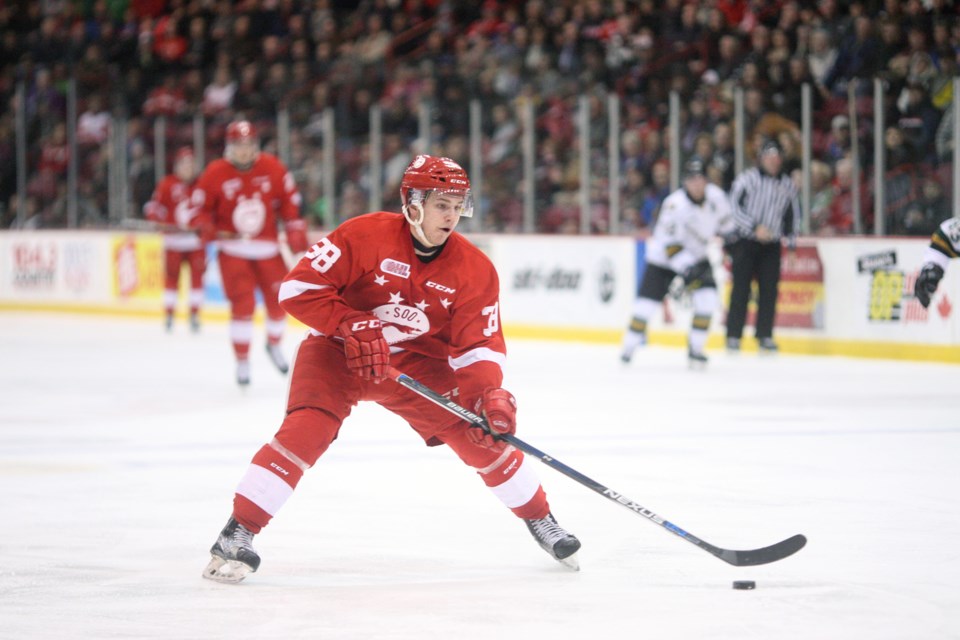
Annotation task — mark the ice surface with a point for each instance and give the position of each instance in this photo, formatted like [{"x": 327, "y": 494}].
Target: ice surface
[{"x": 120, "y": 446}]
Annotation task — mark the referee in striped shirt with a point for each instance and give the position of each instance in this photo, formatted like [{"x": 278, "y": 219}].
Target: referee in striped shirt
[{"x": 766, "y": 210}]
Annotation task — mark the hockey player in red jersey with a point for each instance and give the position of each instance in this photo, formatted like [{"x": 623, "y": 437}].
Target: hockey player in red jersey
[
  {"x": 243, "y": 197},
  {"x": 172, "y": 209},
  {"x": 409, "y": 292}
]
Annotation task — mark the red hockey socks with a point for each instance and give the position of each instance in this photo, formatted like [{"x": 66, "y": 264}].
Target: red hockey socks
[
  {"x": 513, "y": 481},
  {"x": 265, "y": 487}
]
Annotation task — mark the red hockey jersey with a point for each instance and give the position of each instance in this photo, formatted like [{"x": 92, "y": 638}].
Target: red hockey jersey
[
  {"x": 245, "y": 206},
  {"x": 447, "y": 308},
  {"x": 171, "y": 206}
]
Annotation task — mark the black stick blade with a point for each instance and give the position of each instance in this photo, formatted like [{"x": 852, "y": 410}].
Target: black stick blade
[{"x": 766, "y": 555}]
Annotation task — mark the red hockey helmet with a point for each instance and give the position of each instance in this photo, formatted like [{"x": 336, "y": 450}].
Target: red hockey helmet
[
  {"x": 431, "y": 173},
  {"x": 184, "y": 163},
  {"x": 242, "y": 146},
  {"x": 241, "y": 131},
  {"x": 183, "y": 152}
]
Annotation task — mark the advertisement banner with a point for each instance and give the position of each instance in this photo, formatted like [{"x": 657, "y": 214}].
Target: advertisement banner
[
  {"x": 137, "y": 262},
  {"x": 36, "y": 266},
  {"x": 870, "y": 296},
  {"x": 565, "y": 281},
  {"x": 800, "y": 295},
  {"x": 888, "y": 282},
  {"x": 52, "y": 266},
  {"x": 837, "y": 295}
]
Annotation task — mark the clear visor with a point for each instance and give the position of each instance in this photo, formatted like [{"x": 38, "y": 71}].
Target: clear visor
[
  {"x": 464, "y": 209},
  {"x": 185, "y": 167},
  {"x": 242, "y": 152}
]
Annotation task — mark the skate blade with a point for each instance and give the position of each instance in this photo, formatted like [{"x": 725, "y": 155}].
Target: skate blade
[
  {"x": 570, "y": 562},
  {"x": 226, "y": 571}
]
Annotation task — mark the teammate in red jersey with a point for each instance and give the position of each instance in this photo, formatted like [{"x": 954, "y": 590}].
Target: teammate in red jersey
[
  {"x": 172, "y": 209},
  {"x": 406, "y": 291},
  {"x": 243, "y": 197}
]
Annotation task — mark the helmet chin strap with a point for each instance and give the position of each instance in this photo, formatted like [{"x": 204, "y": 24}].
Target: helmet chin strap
[{"x": 416, "y": 223}]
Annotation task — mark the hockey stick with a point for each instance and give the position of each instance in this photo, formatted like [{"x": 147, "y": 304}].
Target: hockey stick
[
  {"x": 745, "y": 558},
  {"x": 139, "y": 224}
]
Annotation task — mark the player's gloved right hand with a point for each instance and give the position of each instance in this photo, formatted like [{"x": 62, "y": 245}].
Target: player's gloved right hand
[
  {"x": 927, "y": 282},
  {"x": 698, "y": 275},
  {"x": 368, "y": 353},
  {"x": 499, "y": 407}
]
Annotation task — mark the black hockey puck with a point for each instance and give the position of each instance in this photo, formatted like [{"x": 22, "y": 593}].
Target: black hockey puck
[{"x": 744, "y": 584}]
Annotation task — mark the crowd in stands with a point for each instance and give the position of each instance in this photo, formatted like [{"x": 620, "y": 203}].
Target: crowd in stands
[{"x": 141, "y": 59}]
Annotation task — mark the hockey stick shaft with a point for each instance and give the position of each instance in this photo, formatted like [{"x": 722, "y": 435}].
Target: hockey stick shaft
[
  {"x": 137, "y": 224},
  {"x": 763, "y": 555}
]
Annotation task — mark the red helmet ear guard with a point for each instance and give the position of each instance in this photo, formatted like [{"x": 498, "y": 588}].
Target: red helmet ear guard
[
  {"x": 241, "y": 131},
  {"x": 432, "y": 173}
]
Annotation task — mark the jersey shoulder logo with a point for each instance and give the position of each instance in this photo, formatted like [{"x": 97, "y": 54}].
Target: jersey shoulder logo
[
  {"x": 231, "y": 187},
  {"x": 262, "y": 183}
]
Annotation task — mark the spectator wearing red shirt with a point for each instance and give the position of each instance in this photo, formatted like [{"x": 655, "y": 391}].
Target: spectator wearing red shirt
[
  {"x": 168, "y": 46},
  {"x": 840, "y": 219},
  {"x": 165, "y": 100}
]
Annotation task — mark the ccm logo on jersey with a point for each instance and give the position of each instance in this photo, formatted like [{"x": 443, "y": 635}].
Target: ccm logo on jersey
[
  {"x": 440, "y": 287},
  {"x": 360, "y": 325},
  {"x": 400, "y": 269}
]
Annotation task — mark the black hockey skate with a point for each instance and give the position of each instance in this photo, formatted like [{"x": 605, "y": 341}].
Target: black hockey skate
[
  {"x": 696, "y": 359},
  {"x": 232, "y": 555},
  {"x": 631, "y": 340},
  {"x": 767, "y": 345},
  {"x": 276, "y": 357},
  {"x": 560, "y": 544}
]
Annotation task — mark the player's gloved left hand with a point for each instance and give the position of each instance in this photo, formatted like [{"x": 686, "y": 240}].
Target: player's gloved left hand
[
  {"x": 296, "y": 236},
  {"x": 368, "y": 353},
  {"x": 699, "y": 275},
  {"x": 499, "y": 407},
  {"x": 927, "y": 282}
]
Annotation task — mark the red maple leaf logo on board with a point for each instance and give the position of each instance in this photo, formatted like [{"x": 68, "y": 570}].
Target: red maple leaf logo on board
[{"x": 944, "y": 307}]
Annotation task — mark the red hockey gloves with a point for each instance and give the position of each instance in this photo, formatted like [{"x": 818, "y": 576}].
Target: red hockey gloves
[
  {"x": 499, "y": 407},
  {"x": 296, "y": 236},
  {"x": 927, "y": 282},
  {"x": 367, "y": 352}
]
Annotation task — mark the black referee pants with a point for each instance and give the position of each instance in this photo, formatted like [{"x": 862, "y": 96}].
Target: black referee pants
[{"x": 753, "y": 260}]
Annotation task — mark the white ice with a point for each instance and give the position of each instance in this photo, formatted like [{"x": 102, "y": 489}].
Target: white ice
[{"x": 120, "y": 447}]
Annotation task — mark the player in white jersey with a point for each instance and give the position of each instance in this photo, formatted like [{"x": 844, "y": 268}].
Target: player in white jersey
[
  {"x": 944, "y": 245},
  {"x": 689, "y": 218}
]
